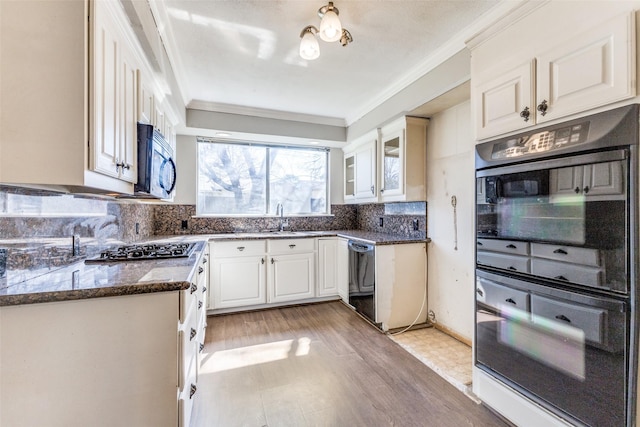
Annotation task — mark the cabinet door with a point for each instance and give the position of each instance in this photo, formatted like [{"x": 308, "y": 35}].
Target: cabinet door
[
  {"x": 349, "y": 176},
  {"x": 238, "y": 281},
  {"x": 128, "y": 117},
  {"x": 392, "y": 164},
  {"x": 593, "y": 69},
  {"x": 501, "y": 103},
  {"x": 291, "y": 277},
  {"x": 327, "y": 267},
  {"x": 366, "y": 172},
  {"x": 106, "y": 122},
  {"x": 145, "y": 101}
]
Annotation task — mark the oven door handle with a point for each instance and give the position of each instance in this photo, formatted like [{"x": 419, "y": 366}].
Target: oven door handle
[{"x": 563, "y": 318}]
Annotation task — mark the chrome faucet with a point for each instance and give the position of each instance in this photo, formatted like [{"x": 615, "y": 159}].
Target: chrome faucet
[{"x": 280, "y": 212}]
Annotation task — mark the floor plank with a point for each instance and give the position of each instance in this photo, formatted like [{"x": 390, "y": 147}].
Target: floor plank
[{"x": 320, "y": 365}]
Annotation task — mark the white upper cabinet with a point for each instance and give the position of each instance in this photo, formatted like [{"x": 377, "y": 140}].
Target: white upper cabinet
[
  {"x": 146, "y": 101},
  {"x": 578, "y": 61},
  {"x": 403, "y": 159},
  {"x": 360, "y": 169},
  {"x": 114, "y": 114}
]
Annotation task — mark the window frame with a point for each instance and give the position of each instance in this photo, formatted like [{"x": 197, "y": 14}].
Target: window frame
[{"x": 267, "y": 146}]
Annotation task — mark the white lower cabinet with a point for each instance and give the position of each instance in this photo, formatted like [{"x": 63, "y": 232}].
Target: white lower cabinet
[
  {"x": 292, "y": 277},
  {"x": 126, "y": 360},
  {"x": 328, "y": 266}
]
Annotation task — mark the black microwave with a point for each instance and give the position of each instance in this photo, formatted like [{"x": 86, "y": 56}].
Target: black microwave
[
  {"x": 156, "y": 165},
  {"x": 517, "y": 185}
]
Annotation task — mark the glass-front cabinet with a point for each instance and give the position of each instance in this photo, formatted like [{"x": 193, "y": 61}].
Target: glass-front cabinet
[{"x": 402, "y": 160}]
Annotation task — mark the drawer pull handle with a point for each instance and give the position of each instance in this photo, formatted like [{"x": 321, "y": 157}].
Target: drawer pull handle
[
  {"x": 480, "y": 244},
  {"x": 560, "y": 251},
  {"x": 194, "y": 287},
  {"x": 201, "y": 347},
  {"x": 563, "y": 318},
  {"x": 510, "y": 301},
  {"x": 193, "y": 334},
  {"x": 204, "y": 289},
  {"x": 200, "y": 270},
  {"x": 292, "y": 246},
  {"x": 512, "y": 268},
  {"x": 240, "y": 248},
  {"x": 192, "y": 391},
  {"x": 511, "y": 247},
  {"x": 199, "y": 305},
  {"x": 479, "y": 292},
  {"x": 561, "y": 278}
]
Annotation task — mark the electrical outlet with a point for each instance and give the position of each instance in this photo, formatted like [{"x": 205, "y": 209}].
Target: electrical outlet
[
  {"x": 185, "y": 224},
  {"x": 137, "y": 228},
  {"x": 381, "y": 222},
  {"x": 415, "y": 225}
]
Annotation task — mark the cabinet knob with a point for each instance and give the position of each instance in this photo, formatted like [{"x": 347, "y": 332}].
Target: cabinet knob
[
  {"x": 577, "y": 190},
  {"x": 561, "y": 278},
  {"x": 586, "y": 189},
  {"x": 292, "y": 246},
  {"x": 525, "y": 114},
  {"x": 201, "y": 347},
  {"x": 262, "y": 260},
  {"x": 512, "y": 268},
  {"x": 192, "y": 391},
  {"x": 204, "y": 289},
  {"x": 273, "y": 261},
  {"x": 199, "y": 305},
  {"x": 373, "y": 189},
  {"x": 542, "y": 107},
  {"x": 126, "y": 166},
  {"x": 382, "y": 190},
  {"x": 479, "y": 292}
]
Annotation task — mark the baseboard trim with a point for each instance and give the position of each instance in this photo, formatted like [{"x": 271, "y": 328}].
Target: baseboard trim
[{"x": 453, "y": 334}]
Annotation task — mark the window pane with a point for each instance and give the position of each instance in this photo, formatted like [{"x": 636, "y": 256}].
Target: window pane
[
  {"x": 231, "y": 179},
  {"x": 298, "y": 180}
]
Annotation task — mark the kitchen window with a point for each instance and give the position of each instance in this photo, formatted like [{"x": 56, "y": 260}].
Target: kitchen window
[{"x": 252, "y": 179}]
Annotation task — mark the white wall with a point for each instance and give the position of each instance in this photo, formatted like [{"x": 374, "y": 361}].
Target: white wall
[{"x": 450, "y": 172}]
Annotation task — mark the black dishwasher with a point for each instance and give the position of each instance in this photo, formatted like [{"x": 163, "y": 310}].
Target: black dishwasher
[{"x": 362, "y": 280}]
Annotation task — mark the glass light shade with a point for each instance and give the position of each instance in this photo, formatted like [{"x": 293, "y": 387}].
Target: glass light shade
[
  {"x": 330, "y": 27},
  {"x": 309, "y": 47}
]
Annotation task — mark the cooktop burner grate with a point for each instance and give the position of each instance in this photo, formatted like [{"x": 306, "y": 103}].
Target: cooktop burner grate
[{"x": 144, "y": 252}]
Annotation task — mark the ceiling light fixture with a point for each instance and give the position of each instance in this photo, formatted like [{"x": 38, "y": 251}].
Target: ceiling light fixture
[{"x": 331, "y": 30}]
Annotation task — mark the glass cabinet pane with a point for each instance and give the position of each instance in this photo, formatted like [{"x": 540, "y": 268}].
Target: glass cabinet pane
[{"x": 391, "y": 164}]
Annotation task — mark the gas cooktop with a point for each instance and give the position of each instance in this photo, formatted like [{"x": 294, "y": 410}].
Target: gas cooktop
[{"x": 144, "y": 252}]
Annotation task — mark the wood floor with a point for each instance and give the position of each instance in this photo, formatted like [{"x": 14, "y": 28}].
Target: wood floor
[{"x": 320, "y": 365}]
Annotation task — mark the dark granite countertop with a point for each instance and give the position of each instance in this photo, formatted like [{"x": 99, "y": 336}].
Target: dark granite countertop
[
  {"x": 371, "y": 237},
  {"x": 82, "y": 281}
]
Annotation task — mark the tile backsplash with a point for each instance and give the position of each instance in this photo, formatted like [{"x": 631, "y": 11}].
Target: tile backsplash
[{"x": 37, "y": 227}]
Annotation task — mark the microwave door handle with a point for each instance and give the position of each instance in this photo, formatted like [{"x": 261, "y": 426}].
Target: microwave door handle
[{"x": 173, "y": 173}]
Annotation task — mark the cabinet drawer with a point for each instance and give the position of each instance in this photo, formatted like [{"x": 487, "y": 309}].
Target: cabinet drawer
[
  {"x": 590, "y": 276},
  {"x": 188, "y": 342},
  {"x": 187, "y": 397},
  {"x": 504, "y": 261},
  {"x": 496, "y": 295},
  {"x": 504, "y": 246},
  {"x": 283, "y": 246},
  {"x": 570, "y": 254},
  {"x": 591, "y": 320},
  {"x": 188, "y": 299},
  {"x": 238, "y": 247}
]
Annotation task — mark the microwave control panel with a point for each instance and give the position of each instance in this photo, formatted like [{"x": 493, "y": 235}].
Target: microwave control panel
[{"x": 541, "y": 142}]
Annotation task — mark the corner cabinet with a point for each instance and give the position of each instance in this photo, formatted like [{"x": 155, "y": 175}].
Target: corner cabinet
[
  {"x": 403, "y": 160},
  {"x": 573, "y": 72}
]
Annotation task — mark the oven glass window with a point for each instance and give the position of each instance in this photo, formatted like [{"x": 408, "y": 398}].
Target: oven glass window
[{"x": 571, "y": 219}]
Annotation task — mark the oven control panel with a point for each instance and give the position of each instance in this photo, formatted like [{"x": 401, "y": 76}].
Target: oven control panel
[{"x": 541, "y": 142}]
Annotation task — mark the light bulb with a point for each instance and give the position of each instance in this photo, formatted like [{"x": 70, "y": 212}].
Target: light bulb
[
  {"x": 309, "y": 47},
  {"x": 330, "y": 27}
]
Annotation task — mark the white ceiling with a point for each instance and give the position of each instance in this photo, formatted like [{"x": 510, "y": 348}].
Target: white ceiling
[{"x": 243, "y": 55}]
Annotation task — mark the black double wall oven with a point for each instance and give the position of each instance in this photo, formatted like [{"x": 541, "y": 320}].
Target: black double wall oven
[{"x": 556, "y": 265}]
